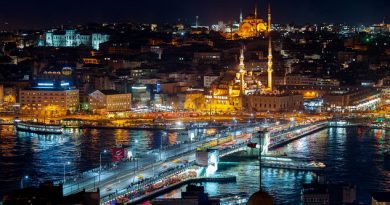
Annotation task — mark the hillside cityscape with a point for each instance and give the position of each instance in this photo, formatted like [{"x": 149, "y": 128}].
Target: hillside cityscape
[{"x": 244, "y": 111}]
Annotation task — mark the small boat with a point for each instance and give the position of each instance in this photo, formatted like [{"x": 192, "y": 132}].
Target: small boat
[
  {"x": 233, "y": 198},
  {"x": 290, "y": 163},
  {"x": 40, "y": 128}
]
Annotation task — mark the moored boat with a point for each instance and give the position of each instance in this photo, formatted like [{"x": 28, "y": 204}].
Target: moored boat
[{"x": 36, "y": 127}]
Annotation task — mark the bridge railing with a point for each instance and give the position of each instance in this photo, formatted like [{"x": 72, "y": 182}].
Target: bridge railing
[
  {"x": 136, "y": 186},
  {"x": 91, "y": 177}
]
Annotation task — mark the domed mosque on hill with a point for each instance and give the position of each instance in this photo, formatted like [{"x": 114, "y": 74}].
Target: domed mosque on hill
[
  {"x": 252, "y": 25},
  {"x": 240, "y": 90}
]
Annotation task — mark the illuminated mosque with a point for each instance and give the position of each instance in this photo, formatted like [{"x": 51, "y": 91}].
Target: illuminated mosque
[
  {"x": 253, "y": 25},
  {"x": 239, "y": 89},
  {"x": 227, "y": 93}
]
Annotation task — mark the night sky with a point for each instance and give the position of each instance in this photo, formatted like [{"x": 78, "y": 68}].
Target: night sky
[{"x": 45, "y": 13}]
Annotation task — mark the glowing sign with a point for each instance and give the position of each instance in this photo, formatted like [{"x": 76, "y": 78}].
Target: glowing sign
[
  {"x": 46, "y": 84},
  {"x": 139, "y": 88}
]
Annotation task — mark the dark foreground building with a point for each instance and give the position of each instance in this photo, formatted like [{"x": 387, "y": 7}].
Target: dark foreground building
[{"x": 49, "y": 194}]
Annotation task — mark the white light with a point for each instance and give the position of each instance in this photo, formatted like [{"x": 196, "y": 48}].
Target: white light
[
  {"x": 45, "y": 84},
  {"x": 139, "y": 88},
  {"x": 129, "y": 154}
]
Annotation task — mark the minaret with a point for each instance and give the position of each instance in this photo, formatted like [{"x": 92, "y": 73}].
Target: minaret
[
  {"x": 256, "y": 9},
  {"x": 270, "y": 64},
  {"x": 242, "y": 71},
  {"x": 241, "y": 16},
  {"x": 269, "y": 18},
  {"x": 241, "y": 66}
]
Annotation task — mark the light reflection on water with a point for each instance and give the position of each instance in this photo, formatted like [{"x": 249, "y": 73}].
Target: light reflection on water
[
  {"x": 42, "y": 157},
  {"x": 352, "y": 155}
]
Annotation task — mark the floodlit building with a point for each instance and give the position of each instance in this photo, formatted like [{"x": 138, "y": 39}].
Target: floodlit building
[
  {"x": 73, "y": 38},
  {"x": 227, "y": 92},
  {"x": 49, "y": 98},
  {"x": 253, "y": 25},
  {"x": 274, "y": 102},
  {"x": 105, "y": 101},
  {"x": 354, "y": 100}
]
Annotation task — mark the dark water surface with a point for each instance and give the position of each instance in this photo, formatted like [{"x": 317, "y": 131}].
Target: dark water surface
[{"x": 352, "y": 155}]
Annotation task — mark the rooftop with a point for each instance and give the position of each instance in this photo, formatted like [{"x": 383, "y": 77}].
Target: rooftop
[
  {"x": 381, "y": 196},
  {"x": 109, "y": 92}
]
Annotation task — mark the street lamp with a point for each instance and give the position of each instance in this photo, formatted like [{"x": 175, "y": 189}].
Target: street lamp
[
  {"x": 161, "y": 146},
  {"x": 21, "y": 181},
  {"x": 135, "y": 150},
  {"x": 100, "y": 163},
  {"x": 211, "y": 101},
  {"x": 67, "y": 163},
  {"x": 234, "y": 126}
]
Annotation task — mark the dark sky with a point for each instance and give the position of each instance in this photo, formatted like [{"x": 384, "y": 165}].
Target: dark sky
[{"x": 43, "y": 13}]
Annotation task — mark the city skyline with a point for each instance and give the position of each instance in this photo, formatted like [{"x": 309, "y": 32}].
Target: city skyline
[
  {"x": 27, "y": 14},
  {"x": 261, "y": 102}
]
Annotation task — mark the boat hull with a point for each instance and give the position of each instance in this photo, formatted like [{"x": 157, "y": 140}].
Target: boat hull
[{"x": 39, "y": 129}]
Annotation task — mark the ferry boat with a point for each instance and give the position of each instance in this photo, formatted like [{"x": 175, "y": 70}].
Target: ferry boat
[
  {"x": 176, "y": 126},
  {"x": 40, "y": 128},
  {"x": 289, "y": 163},
  {"x": 233, "y": 198}
]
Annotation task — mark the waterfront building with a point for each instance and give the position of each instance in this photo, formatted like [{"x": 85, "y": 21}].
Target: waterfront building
[
  {"x": 352, "y": 100},
  {"x": 275, "y": 102},
  {"x": 49, "y": 98},
  {"x": 141, "y": 95},
  {"x": 106, "y": 101}
]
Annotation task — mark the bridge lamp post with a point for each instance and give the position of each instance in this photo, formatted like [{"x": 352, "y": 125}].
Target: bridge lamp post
[
  {"x": 161, "y": 146},
  {"x": 21, "y": 181},
  {"x": 234, "y": 126},
  {"x": 67, "y": 163},
  {"x": 211, "y": 102},
  {"x": 100, "y": 163}
]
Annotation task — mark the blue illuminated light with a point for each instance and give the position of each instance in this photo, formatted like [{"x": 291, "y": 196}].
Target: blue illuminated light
[
  {"x": 158, "y": 87},
  {"x": 45, "y": 84}
]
